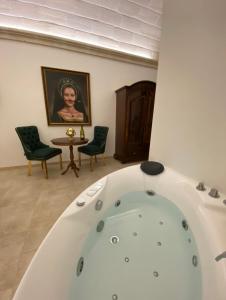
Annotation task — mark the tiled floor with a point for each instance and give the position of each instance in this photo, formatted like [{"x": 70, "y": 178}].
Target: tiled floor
[{"x": 29, "y": 206}]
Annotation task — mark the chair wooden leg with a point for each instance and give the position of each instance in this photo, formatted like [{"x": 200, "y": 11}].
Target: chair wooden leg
[
  {"x": 29, "y": 170},
  {"x": 45, "y": 169},
  {"x": 95, "y": 159},
  {"x": 61, "y": 164},
  {"x": 42, "y": 164},
  {"x": 79, "y": 159},
  {"x": 91, "y": 163}
]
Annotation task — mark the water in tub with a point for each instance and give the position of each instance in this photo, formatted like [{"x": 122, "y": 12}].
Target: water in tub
[{"x": 142, "y": 249}]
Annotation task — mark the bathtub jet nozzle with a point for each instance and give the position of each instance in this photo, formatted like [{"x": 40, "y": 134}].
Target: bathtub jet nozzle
[
  {"x": 201, "y": 187},
  {"x": 80, "y": 266},
  {"x": 214, "y": 193},
  {"x": 100, "y": 226},
  {"x": 150, "y": 193},
  {"x": 98, "y": 205}
]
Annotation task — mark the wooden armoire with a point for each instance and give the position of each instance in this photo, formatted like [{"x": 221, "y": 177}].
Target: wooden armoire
[{"x": 134, "y": 112}]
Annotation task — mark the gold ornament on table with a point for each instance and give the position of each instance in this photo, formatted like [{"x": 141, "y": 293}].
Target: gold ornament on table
[{"x": 71, "y": 133}]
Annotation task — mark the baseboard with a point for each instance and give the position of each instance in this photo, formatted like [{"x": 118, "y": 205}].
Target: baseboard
[{"x": 37, "y": 164}]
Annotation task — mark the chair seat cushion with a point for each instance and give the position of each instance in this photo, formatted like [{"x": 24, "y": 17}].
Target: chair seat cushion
[
  {"x": 44, "y": 153},
  {"x": 90, "y": 149}
]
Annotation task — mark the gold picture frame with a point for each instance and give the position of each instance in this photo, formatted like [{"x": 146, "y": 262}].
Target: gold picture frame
[{"x": 67, "y": 97}]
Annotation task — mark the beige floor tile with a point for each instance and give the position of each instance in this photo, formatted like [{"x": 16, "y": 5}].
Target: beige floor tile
[
  {"x": 35, "y": 236},
  {"x": 15, "y": 218},
  {"x": 6, "y": 294},
  {"x": 11, "y": 246},
  {"x": 23, "y": 263},
  {"x": 8, "y": 276}
]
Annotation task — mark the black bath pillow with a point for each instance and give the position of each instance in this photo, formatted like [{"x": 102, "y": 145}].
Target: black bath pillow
[{"x": 152, "y": 167}]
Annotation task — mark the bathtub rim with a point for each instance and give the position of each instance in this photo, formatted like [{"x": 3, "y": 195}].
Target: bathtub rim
[{"x": 158, "y": 182}]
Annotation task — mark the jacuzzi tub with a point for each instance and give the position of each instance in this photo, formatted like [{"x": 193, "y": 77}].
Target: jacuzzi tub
[{"x": 136, "y": 237}]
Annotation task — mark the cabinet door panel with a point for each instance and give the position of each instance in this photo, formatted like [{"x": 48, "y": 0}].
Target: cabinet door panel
[
  {"x": 137, "y": 113},
  {"x": 148, "y": 116},
  {"x": 135, "y": 120}
]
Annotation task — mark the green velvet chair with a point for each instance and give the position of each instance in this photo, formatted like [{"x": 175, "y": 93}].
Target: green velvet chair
[
  {"x": 96, "y": 147},
  {"x": 34, "y": 149}
]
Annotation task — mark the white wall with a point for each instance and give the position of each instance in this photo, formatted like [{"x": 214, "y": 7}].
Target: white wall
[
  {"x": 189, "y": 128},
  {"x": 22, "y": 97}
]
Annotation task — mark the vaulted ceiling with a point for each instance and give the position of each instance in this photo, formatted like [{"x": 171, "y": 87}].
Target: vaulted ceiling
[{"x": 130, "y": 26}]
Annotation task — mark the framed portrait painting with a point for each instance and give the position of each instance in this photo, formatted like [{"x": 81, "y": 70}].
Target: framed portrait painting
[{"x": 67, "y": 97}]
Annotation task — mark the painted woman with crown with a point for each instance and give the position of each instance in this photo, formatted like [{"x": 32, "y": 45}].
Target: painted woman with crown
[{"x": 69, "y": 94}]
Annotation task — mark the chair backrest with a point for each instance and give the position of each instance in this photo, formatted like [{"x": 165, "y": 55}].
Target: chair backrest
[
  {"x": 100, "y": 136},
  {"x": 29, "y": 138}
]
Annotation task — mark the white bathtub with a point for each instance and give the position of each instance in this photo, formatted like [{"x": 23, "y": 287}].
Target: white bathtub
[{"x": 52, "y": 272}]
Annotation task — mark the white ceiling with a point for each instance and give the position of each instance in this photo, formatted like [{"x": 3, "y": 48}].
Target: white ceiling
[{"x": 131, "y": 26}]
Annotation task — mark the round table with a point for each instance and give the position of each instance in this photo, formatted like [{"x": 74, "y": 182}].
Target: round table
[{"x": 65, "y": 141}]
